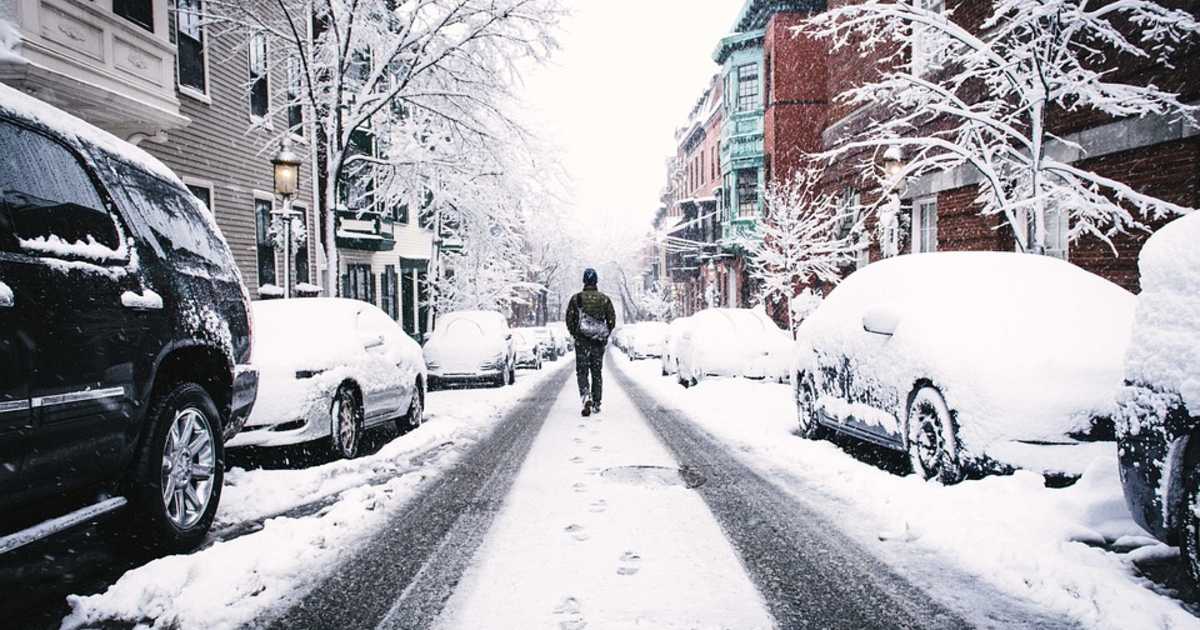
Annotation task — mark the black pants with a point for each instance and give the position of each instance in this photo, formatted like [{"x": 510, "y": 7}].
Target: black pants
[{"x": 589, "y": 360}]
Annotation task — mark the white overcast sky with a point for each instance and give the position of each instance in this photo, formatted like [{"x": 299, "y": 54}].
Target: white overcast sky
[{"x": 626, "y": 76}]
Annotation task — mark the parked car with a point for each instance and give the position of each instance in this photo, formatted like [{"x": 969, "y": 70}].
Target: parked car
[
  {"x": 527, "y": 349},
  {"x": 645, "y": 340},
  {"x": 670, "y": 356},
  {"x": 967, "y": 361},
  {"x": 563, "y": 337},
  {"x": 1159, "y": 418},
  {"x": 722, "y": 342},
  {"x": 125, "y": 335},
  {"x": 360, "y": 373},
  {"x": 777, "y": 349},
  {"x": 471, "y": 346},
  {"x": 546, "y": 343}
]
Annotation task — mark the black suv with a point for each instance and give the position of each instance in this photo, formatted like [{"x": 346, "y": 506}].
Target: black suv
[{"x": 124, "y": 336}]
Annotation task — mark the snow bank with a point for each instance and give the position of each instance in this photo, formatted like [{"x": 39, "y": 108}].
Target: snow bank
[
  {"x": 1165, "y": 351},
  {"x": 1021, "y": 346},
  {"x": 246, "y": 580},
  {"x": 7, "y": 299},
  {"x": 1011, "y": 532}
]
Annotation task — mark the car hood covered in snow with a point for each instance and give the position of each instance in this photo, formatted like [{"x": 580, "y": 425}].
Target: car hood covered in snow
[{"x": 1021, "y": 346}]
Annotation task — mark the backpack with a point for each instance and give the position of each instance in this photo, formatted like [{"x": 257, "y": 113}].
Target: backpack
[{"x": 592, "y": 328}]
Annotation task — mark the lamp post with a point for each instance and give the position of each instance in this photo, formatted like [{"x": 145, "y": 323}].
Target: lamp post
[
  {"x": 889, "y": 218},
  {"x": 287, "y": 180}
]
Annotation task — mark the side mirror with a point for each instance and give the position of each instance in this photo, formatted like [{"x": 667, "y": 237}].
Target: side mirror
[{"x": 881, "y": 320}]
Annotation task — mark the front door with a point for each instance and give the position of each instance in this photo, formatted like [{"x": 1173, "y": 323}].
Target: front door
[
  {"x": 72, "y": 271},
  {"x": 15, "y": 373}
]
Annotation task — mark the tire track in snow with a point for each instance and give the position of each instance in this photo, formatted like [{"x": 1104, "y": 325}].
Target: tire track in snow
[
  {"x": 811, "y": 575},
  {"x": 402, "y": 576}
]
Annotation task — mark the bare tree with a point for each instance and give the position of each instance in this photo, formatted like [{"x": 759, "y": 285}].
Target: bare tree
[
  {"x": 407, "y": 98},
  {"x": 981, "y": 100},
  {"x": 810, "y": 236}
]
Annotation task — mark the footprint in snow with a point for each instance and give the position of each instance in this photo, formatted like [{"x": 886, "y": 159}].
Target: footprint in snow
[
  {"x": 570, "y": 615},
  {"x": 630, "y": 563},
  {"x": 597, "y": 449},
  {"x": 577, "y": 531},
  {"x": 595, "y": 470},
  {"x": 597, "y": 506},
  {"x": 577, "y": 460},
  {"x": 579, "y": 487},
  {"x": 578, "y": 440}
]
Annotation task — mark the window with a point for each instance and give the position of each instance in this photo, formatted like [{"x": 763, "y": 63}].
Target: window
[
  {"x": 359, "y": 283},
  {"x": 747, "y": 192},
  {"x": 924, "y": 225},
  {"x": 851, "y": 203},
  {"x": 140, "y": 12},
  {"x": 922, "y": 47},
  {"x": 295, "y": 106},
  {"x": 356, "y": 191},
  {"x": 266, "y": 245},
  {"x": 1057, "y": 232},
  {"x": 301, "y": 257},
  {"x": 748, "y": 95},
  {"x": 46, "y": 195},
  {"x": 203, "y": 193},
  {"x": 388, "y": 292},
  {"x": 259, "y": 87},
  {"x": 190, "y": 37}
]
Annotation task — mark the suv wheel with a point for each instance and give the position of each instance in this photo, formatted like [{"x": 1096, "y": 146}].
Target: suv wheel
[
  {"x": 179, "y": 472},
  {"x": 1190, "y": 534},
  {"x": 346, "y": 427},
  {"x": 932, "y": 438}
]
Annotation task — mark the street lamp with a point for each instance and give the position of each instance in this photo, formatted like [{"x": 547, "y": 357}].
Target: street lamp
[{"x": 287, "y": 181}]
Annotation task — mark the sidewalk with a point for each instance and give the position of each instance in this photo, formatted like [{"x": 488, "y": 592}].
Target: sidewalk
[{"x": 575, "y": 546}]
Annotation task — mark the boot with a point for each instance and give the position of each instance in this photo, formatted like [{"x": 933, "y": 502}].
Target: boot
[{"x": 587, "y": 406}]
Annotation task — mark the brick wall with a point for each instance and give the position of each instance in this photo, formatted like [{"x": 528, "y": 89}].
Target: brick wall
[{"x": 797, "y": 106}]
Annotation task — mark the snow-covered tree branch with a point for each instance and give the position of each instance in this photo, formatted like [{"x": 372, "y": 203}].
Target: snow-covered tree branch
[
  {"x": 810, "y": 236},
  {"x": 983, "y": 99}
]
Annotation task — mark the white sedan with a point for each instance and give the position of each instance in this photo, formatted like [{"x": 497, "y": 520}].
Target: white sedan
[
  {"x": 330, "y": 369},
  {"x": 967, "y": 361},
  {"x": 471, "y": 346}
]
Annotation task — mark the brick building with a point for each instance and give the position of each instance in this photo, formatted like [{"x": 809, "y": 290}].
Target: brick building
[{"x": 1152, "y": 155}]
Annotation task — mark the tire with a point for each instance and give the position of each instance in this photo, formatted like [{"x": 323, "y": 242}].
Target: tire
[
  {"x": 1189, "y": 545},
  {"x": 176, "y": 483},
  {"x": 807, "y": 425},
  {"x": 511, "y": 378},
  {"x": 932, "y": 439},
  {"x": 346, "y": 419},
  {"x": 416, "y": 410}
]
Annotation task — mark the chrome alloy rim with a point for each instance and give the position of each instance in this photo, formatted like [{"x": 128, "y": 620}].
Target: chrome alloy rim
[
  {"x": 418, "y": 412},
  {"x": 347, "y": 427},
  {"x": 188, "y": 462}
]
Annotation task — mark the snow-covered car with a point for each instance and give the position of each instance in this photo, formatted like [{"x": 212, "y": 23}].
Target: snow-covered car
[
  {"x": 723, "y": 342},
  {"x": 546, "y": 340},
  {"x": 670, "y": 355},
  {"x": 471, "y": 346},
  {"x": 527, "y": 349},
  {"x": 967, "y": 361},
  {"x": 645, "y": 340},
  {"x": 562, "y": 336},
  {"x": 125, "y": 337},
  {"x": 777, "y": 348},
  {"x": 361, "y": 372},
  {"x": 1159, "y": 417}
]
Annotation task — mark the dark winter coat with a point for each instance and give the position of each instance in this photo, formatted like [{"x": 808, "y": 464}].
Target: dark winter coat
[{"x": 595, "y": 304}]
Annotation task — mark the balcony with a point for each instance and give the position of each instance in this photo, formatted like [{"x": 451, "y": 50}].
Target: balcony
[
  {"x": 370, "y": 232},
  {"x": 83, "y": 58},
  {"x": 742, "y": 141}
]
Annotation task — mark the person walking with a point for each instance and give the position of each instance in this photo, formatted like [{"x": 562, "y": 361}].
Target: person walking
[{"x": 590, "y": 320}]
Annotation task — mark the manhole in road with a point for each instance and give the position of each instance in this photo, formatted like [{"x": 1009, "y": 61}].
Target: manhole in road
[{"x": 655, "y": 476}]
